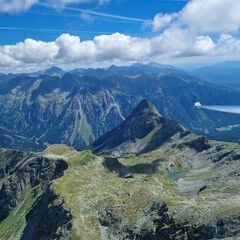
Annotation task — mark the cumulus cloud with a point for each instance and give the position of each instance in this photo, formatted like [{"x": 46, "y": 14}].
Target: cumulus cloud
[
  {"x": 202, "y": 29},
  {"x": 31, "y": 51},
  {"x": 16, "y": 5},
  {"x": 212, "y": 16},
  {"x": 161, "y": 20},
  {"x": 203, "y": 16},
  {"x": 69, "y": 50},
  {"x": 228, "y": 44}
]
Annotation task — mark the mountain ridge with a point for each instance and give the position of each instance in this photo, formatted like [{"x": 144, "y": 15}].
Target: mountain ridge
[
  {"x": 77, "y": 110},
  {"x": 143, "y": 131}
]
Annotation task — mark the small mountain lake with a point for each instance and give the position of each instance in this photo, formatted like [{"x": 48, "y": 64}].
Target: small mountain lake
[{"x": 175, "y": 176}]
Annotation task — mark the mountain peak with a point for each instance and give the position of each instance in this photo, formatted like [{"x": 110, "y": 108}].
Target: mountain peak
[
  {"x": 54, "y": 68},
  {"x": 144, "y": 129},
  {"x": 54, "y": 71},
  {"x": 145, "y": 107}
]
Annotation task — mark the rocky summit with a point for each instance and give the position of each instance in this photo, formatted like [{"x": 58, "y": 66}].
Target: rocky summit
[
  {"x": 147, "y": 179},
  {"x": 144, "y": 130}
]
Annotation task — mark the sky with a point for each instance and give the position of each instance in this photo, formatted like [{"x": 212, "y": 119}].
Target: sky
[{"x": 36, "y": 34}]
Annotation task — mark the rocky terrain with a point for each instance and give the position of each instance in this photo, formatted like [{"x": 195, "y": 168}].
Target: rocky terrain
[
  {"x": 76, "y": 108},
  {"x": 148, "y": 178},
  {"x": 29, "y": 208},
  {"x": 143, "y": 131}
]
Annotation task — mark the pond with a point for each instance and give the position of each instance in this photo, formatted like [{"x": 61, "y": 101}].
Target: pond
[{"x": 175, "y": 176}]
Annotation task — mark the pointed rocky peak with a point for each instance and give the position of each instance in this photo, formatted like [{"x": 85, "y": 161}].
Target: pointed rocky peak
[
  {"x": 54, "y": 71},
  {"x": 137, "y": 131},
  {"x": 145, "y": 108}
]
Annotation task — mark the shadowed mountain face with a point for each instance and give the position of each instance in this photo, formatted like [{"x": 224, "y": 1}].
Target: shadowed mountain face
[
  {"x": 144, "y": 130},
  {"x": 27, "y": 201},
  {"x": 75, "y": 109}
]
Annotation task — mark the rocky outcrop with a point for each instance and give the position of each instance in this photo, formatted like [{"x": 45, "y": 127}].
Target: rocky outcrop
[
  {"x": 143, "y": 131},
  {"x": 143, "y": 120},
  {"x": 48, "y": 219},
  {"x": 25, "y": 186},
  {"x": 165, "y": 227},
  {"x": 10, "y": 160},
  {"x": 113, "y": 165},
  {"x": 198, "y": 143},
  {"x": 33, "y": 171}
]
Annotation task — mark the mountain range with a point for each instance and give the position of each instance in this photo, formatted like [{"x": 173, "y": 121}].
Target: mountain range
[
  {"x": 148, "y": 178},
  {"x": 76, "y": 107},
  {"x": 223, "y": 73}
]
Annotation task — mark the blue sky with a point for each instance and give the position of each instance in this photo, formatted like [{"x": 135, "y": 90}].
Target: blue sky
[
  {"x": 46, "y": 23},
  {"x": 37, "y": 34}
]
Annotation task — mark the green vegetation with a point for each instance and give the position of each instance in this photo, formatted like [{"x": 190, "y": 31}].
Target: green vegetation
[
  {"x": 11, "y": 226},
  {"x": 88, "y": 188},
  {"x": 61, "y": 150}
]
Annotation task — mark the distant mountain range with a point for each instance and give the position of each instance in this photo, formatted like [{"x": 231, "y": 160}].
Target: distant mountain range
[
  {"x": 226, "y": 74},
  {"x": 76, "y": 107}
]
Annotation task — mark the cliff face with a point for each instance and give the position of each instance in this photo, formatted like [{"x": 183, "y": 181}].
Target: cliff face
[
  {"x": 25, "y": 182},
  {"x": 48, "y": 219},
  {"x": 143, "y": 131}
]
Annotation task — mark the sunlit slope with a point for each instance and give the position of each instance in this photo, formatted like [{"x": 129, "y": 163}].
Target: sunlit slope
[{"x": 126, "y": 197}]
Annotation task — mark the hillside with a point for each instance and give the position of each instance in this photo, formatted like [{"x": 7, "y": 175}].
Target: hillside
[{"x": 186, "y": 187}]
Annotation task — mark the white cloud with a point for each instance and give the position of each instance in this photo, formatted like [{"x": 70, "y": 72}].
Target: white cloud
[
  {"x": 203, "y": 16},
  {"x": 72, "y": 50},
  {"x": 26, "y": 55},
  {"x": 161, "y": 21},
  {"x": 30, "y": 51},
  {"x": 179, "y": 43},
  {"x": 212, "y": 16},
  {"x": 69, "y": 50},
  {"x": 181, "y": 35},
  {"x": 16, "y": 5},
  {"x": 228, "y": 44},
  {"x": 120, "y": 46},
  {"x": 204, "y": 45}
]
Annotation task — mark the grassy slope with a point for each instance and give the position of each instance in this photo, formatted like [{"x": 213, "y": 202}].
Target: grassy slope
[
  {"x": 14, "y": 223},
  {"x": 88, "y": 187}
]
